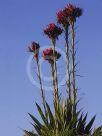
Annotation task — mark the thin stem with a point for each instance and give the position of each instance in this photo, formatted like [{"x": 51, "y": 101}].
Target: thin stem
[
  {"x": 67, "y": 63},
  {"x": 53, "y": 79},
  {"x": 41, "y": 86},
  {"x": 73, "y": 64},
  {"x": 55, "y": 101},
  {"x": 55, "y": 71}
]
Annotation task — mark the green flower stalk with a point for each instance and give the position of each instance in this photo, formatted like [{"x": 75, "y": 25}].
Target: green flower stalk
[
  {"x": 53, "y": 79},
  {"x": 53, "y": 31},
  {"x": 71, "y": 13},
  {"x": 48, "y": 55},
  {"x": 73, "y": 64},
  {"x": 68, "y": 63},
  {"x": 41, "y": 86},
  {"x": 56, "y": 83},
  {"x": 35, "y": 49},
  {"x": 62, "y": 18},
  {"x": 55, "y": 71}
]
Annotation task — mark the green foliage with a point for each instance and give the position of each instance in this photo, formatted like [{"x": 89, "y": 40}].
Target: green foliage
[{"x": 65, "y": 121}]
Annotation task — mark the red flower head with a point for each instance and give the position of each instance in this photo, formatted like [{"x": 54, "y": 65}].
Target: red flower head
[
  {"x": 52, "y": 31},
  {"x": 48, "y": 55},
  {"x": 35, "y": 49},
  {"x": 62, "y": 18},
  {"x": 72, "y": 12}
]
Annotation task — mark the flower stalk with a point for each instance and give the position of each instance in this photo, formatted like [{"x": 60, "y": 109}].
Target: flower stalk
[
  {"x": 55, "y": 98},
  {"x": 53, "y": 80},
  {"x": 55, "y": 71},
  {"x": 48, "y": 55},
  {"x": 41, "y": 86},
  {"x": 68, "y": 62},
  {"x": 53, "y": 31},
  {"x": 73, "y": 64},
  {"x": 35, "y": 50}
]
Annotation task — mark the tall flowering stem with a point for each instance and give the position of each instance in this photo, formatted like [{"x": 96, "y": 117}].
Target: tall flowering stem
[
  {"x": 52, "y": 56},
  {"x": 41, "y": 86},
  {"x": 53, "y": 79},
  {"x": 55, "y": 71},
  {"x": 73, "y": 64},
  {"x": 53, "y": 31},
  {"x": 62, "y": 18},
  {"x": 72, "y": 12},
  {"x": 35, "y": 49},
  {"x": 68, "y": 62},
  {"x": 48, "y": 55}
]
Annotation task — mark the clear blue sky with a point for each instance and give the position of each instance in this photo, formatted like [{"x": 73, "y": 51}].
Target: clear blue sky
[{"x": 22, "y": 21}]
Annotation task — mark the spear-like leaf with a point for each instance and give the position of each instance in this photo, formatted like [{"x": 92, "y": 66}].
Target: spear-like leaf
[
  {"x": 43, "y": 117},
  {"x": 89, "y": 125}
]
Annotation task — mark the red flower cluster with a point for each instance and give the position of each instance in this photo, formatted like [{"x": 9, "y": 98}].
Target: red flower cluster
[
  {"x": 48, "y": 55},
  {"x": 35, "y": 49},
  {"x": 52, "y": 31},
  {"x": 69, "y": 14},
  {"x": 72, "y": 12},
  {"x": 62, "y": 18}
]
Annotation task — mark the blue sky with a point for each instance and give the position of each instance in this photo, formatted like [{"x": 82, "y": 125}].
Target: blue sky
[{"x": 22, "y": 21}]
